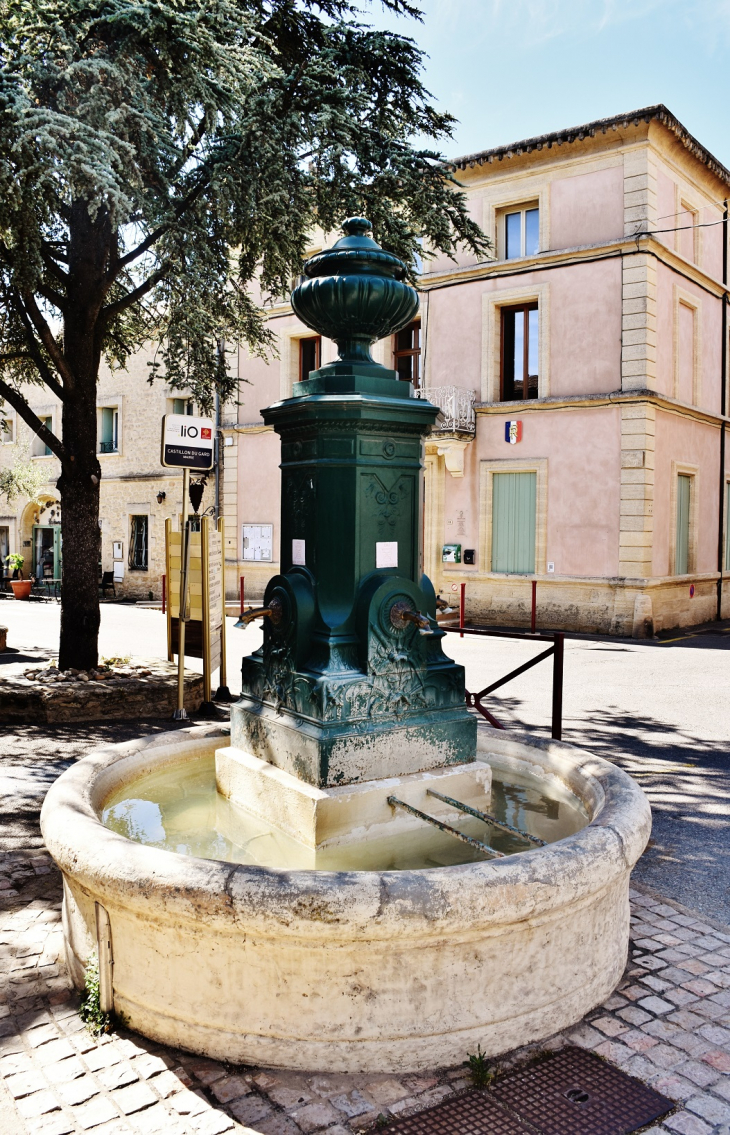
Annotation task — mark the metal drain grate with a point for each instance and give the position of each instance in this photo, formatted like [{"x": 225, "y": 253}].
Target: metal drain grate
[
  {"x": 473, "y": 1114},
  {"x": 576, "y": 1093}
]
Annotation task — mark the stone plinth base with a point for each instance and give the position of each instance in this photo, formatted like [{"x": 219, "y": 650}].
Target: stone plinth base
[
  {"x": 349, "y": 752},
  {"x": 320, "y": 817},
  {"x": 146, "y": 689}
]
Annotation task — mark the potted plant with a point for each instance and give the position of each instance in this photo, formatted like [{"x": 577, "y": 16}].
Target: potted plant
[{"x": 21, "y": 587}]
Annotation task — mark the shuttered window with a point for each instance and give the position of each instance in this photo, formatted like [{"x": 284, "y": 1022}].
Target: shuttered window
[
  {"x": 513, "y": 522},
  {"x": 681, "y": 559}
]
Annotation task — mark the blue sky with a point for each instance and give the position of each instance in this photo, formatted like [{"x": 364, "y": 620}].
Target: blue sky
[{"x": 509, "y": 69}]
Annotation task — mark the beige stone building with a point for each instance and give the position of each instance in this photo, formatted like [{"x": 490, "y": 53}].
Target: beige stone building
[
  {"x": 137, "y": 494},
  {"x": 582, "y": 375}
]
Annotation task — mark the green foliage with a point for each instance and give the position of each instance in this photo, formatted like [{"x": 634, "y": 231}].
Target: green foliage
[
  {"x": 15, "y": 561},
  {"x": 90, "y": 1010},
  {"x": 481, "y": 1073},
  {"x": 156, "y": 157},
  {"x": 21, "y": 479}
]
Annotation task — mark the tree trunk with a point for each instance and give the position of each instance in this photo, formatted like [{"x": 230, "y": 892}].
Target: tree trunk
[
  {"x": 79, "y": 487},
  {"x": 89, "y": 247}
]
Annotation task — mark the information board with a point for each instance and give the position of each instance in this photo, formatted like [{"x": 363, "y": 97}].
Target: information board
[
  {"x": 258, "y": 541},
  {"x": 187, "y": 442}
]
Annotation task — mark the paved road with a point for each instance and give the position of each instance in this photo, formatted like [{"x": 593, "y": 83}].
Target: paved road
[{"x": 660, "y": 710}]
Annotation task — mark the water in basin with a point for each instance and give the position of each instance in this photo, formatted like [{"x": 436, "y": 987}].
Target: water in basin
[{"x": 179, "y": 809}]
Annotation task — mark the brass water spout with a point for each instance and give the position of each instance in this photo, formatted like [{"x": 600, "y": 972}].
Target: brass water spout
[
  {"x": 401, "y": 613},
  {"x": 274, "y": 611}
]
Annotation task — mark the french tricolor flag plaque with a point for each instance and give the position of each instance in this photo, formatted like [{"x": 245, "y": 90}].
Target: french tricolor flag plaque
[{"x": 513, "y": 432}]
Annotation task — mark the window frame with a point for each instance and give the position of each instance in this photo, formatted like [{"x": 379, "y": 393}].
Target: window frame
[
  {"x": 523, "y": 208},
  {"x": 513, "y": 309},
  {"x": 681, "y": 469},
  {"x": 316, "y": 340},
  {"x": 47, "y": 420},
  {"x": 133, "y": 566},
  {"x": 488, "y": 468},
  {"x": 114, "y": 409},
  {"x": 410, "y": 353}
]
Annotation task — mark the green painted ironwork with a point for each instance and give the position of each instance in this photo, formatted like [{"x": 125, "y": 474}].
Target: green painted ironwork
[
  {"x": 513, "y": 522},
  {"x": 340, "y": 664}
]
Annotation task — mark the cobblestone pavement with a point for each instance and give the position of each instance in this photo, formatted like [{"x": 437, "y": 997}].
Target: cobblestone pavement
[{"x": 667, "y": 1024}]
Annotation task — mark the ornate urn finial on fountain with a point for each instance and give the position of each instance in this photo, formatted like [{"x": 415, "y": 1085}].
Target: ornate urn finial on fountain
[
  {"x": 355, "y": 293},
  {"x": 351, "y": 682}
]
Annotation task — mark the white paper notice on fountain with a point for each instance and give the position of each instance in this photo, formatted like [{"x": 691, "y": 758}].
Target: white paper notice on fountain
[
  {"x": 299, "y": 552},
  {"x": 187, "y": 442},
  {"x": 386, "y": 554}
]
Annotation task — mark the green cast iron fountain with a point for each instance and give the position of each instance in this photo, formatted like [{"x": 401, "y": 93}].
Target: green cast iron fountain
[{"x": 351, "y": 682}]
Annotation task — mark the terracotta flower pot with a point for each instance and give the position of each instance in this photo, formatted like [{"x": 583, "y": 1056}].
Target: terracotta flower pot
[{"x": 21, "y": 588}]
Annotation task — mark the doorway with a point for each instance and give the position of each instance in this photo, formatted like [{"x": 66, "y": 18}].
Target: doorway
[{"x": 47, "y": 551}]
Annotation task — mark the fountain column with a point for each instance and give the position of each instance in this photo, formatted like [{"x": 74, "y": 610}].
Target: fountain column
[{"x": 351, "y": 682}]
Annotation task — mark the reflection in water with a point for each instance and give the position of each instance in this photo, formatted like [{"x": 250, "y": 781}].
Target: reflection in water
[{"x": 180, "y": 810}]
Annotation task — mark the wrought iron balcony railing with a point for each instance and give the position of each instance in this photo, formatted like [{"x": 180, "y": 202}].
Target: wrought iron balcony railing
[{"x": 456, "y": 406}]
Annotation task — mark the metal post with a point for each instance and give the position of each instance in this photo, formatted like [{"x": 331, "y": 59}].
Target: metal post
[
  {"x": 223, "y": 693},
  {"x": 168, "y": 530},
  {"x": 534, "y": 606},
  {"x": 164, "y": 580},
  {"x": 205, "y": 578},
  {"x": 243, "y": 579},
  {"x": 461, "y": 608},
  {"x": 180, "y": 713},
  {"x": 557, "y": 731}
]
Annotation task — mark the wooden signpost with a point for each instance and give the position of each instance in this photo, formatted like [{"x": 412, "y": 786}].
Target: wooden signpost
[
  {"x": 205, "y": 627},
  {"x": 196, "y": 608}
]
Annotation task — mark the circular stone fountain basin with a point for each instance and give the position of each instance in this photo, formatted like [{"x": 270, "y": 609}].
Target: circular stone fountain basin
[{"x": 350, "y": 970}]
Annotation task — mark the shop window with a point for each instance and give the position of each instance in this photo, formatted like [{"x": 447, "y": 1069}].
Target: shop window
[
  {"x": 684, "y": 503},
  {"x": 407, "y": 353},
  {"x": 514, "y": 517},
  {"x": 521, "y": 232},
  {"x": 40, "y": 449},
  {"x": 520, "y": 352},
  {"x": 109, "y": 429},
  {"x": 310, "y": 356},
  {"x": 138, "y": 543}
]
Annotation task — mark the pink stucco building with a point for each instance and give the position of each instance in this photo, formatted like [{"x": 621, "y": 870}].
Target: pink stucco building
[{"x": 582, "y": 375}]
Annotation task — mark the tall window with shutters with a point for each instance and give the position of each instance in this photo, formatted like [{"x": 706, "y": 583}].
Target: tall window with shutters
[
  {"x": 514, "y": 518},
  {"x": 682, "y": 546}
]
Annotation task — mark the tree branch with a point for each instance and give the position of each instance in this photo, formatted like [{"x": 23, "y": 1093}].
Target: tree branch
[
  {"x": 154, "y": 236},
  {"x": 27, "y": 301},
  {"x": 108, "y": 313},
  {"x": 19, "y": 404},
  {"x": 195, "y": 140},
  {"x": 35, "y": 352},
  {"x": 51, "y": 263}
]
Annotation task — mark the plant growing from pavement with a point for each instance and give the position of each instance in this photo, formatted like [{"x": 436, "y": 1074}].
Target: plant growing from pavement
[{"x": 155, "y": 158}]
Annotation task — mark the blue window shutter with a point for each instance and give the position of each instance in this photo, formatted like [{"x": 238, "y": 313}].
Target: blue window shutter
[{"x": 514, "y": 516}]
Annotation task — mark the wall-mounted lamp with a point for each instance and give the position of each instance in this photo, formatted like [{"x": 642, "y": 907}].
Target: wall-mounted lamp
[{"x": 160, "y": 497}]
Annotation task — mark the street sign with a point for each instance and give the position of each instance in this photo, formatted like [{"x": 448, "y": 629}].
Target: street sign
[{"x": 187, "y": 442}]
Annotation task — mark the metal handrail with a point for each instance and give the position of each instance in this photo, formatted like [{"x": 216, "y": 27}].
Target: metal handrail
[{"x": 556, "y": 651}]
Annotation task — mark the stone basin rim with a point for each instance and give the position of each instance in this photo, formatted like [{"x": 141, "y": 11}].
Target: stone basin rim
[{"x": 307, "y": 903}]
